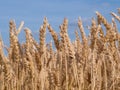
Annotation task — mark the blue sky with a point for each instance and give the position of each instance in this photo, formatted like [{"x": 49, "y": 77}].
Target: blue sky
[{"x": 32, "y": 13}]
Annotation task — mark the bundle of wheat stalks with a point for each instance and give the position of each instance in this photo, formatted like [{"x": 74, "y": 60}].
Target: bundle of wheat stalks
[{"x": 89, "y": 63}]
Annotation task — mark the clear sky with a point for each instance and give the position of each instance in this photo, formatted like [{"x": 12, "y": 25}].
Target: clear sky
[{"x": 32, "y": 12}]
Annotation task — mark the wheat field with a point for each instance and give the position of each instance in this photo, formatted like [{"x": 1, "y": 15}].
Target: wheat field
[{"x": 90, "y": 62}]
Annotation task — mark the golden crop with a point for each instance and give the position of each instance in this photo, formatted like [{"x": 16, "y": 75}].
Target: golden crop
[{"x": 89, "y": 63}]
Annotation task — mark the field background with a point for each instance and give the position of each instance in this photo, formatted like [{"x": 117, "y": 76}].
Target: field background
[{"x": 60, "y": 45}]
